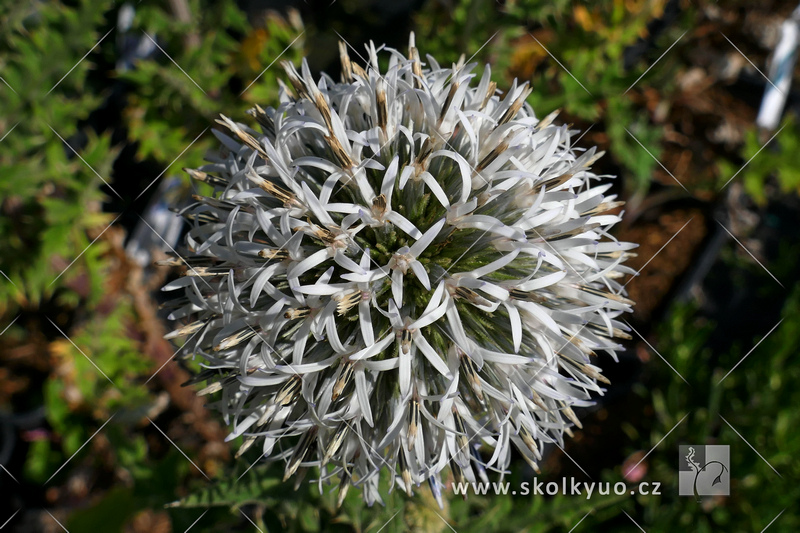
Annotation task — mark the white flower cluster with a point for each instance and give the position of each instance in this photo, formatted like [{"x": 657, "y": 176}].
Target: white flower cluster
[{"x": 404, "y": 271}]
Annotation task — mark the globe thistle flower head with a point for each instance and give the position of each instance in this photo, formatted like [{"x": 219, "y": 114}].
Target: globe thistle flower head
[{"x": 405, "y": 272}]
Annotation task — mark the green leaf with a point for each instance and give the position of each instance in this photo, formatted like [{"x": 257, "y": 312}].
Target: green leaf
[{"x": 253, "y": 488}]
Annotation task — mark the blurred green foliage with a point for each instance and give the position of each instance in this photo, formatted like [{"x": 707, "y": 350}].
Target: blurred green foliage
[
  {"x": 776, "y": 157},
  {"x": 50, "y": 197},
  {"x": 573, "y": 55},
  {"x": 221, "y": 72},
  {"x": 757, "y": 401},
  {"x": 65, "y": 291},
  {"x": 51, "y": 188}
]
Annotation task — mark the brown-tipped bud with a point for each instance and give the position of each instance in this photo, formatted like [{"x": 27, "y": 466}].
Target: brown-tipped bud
[
  {"x": 345, "y": 376},
  {"x": 248, "y": 442},
  {"x": 287, "y": 197},
  {"x": 537, "y": 400},
  {"x": 589, "y": 370},
  {"x": 462, "y": 439},
  {"x": 301, "y": 449},
  {"x": 344, "y": 486},
  {"x": 489, "y": 93},
  {"x": 416, "y": 67},
  {"x": 359, "y": 72},
  {"x": 205, "y": 177},
  {"x": 570, "y": 414},
  {"x": 602, "y": 330},
  {"x": 606, "y": 295},
  {"x": 405, "y": 473},
  {"x": 205, "y": 272},
  {"x": 290, "y": 391},
  {"x": 380, "y": 102},
  {"x": 491, "y": 156},
  {"x": 294, "y": 79},
  {"x": 235, "y": 339},
  {"x": 324, "y": 110},
  {"x": 335, "y": 442},
  {"x": 424, "y": 152},
  {"x": 458, "y": 476},
  {"x": 243, "y": 136},
  {"x": 269, "y": 253},
  {"x": 604, "y": 207},
  {"x": 413, "y": 423},
  {"x": 339, "y": 152},
  {"x": 546, "y": 121},
  {"x": 295, "y": 313},
  {"x": 261, "y": 116},
  {"x": 347, "y": 66},
  {"x": 186, "y": 330},
  {"x": 528, "y": 439},
  {"x": 515, "y": 106},
  {"x": 533, "y": 464},
  {"x": 470, "y": 370},
  {"x": 448, "y": 102},
  {"x": 210, "y": 389}
]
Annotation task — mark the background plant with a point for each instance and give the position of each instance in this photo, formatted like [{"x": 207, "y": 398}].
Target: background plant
[{"x": 130, "y": 121}]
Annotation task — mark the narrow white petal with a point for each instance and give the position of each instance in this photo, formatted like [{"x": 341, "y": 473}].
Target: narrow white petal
[
  {"x": 405, "y": 371},
  {"x": 541, "y": 315},
  {"x": 365, "y": 321},
  {"x": 388, "y": 180},
  {"x": 373, "y": 350},
  {"x": 256, "y": 380},
  {"x": 516, "y": 325},
  {"x": 403, "y": 223},
  {"x": 308, "y": 263},
  {"x": 307, "y": 368},
  {"x": 494, "y": 265},
  {"x": 493, "y": 290},
  {"x": 429, "y": 317},
  {"x": 423, "y": 242},
  {"x": 397, "y": 286},
  {"x": 381, "y": 366},
  {"x": 436, "y": 189},
  {"x": 333, "y": 333},
  {"x": 321, "y": 289},
  {"x": 544, "y": 281},
  {"x": 430, "y": 354},
  {"x": 463, "y": 166},
  {"x": 316, "y": 207},
  {"x": 363, "y": 397},
  {"x": 504, "y": 358},
  {"x": 364, "y": 261},
  {"x": 407, "y": 171},
  {"x": 435, "y": 300},
  {"x": 422, "y": 274},
  {"x": 368, "y": 277},
  {"x": 347, "y": 263}
]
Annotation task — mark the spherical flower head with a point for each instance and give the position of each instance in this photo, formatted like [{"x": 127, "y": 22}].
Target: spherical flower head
[{"x": 405, "y": 271}]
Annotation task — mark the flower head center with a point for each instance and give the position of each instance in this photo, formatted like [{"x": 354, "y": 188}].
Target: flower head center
[{"x": 401, "y": 262}]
